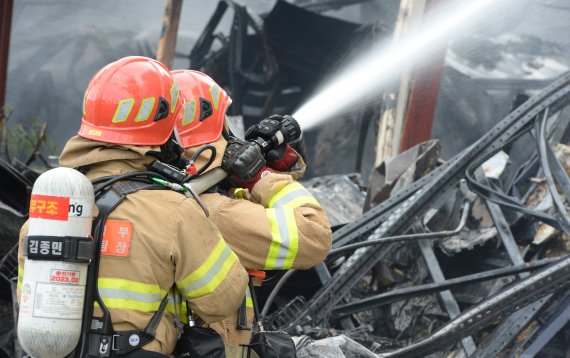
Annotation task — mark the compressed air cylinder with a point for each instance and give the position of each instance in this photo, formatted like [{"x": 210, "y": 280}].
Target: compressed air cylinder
[{"x": 53, "y": 292}]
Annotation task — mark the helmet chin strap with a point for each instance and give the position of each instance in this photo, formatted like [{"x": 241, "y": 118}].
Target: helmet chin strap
[{"x": 171, "y": 151}]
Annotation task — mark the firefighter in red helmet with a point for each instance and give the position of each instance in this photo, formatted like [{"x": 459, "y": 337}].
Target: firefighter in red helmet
[
  {"x": 169, "y": 252},
  {"x": 270, "y": 220}
]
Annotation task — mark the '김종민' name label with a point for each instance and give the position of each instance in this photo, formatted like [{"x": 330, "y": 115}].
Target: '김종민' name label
[{"x": 44, "y": 248}]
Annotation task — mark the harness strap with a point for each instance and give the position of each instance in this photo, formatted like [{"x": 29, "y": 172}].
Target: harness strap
[
  {"x": 100, "y": 337},
  {"x": 124, "y": 342},
  {"x": 242, "y": 317}
]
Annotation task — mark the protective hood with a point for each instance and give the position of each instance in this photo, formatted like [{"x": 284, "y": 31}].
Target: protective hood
[{"x": 105, "y": 158}]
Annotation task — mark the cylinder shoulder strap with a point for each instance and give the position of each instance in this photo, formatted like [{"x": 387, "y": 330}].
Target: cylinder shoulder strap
[{"x": 98, "y": 337}]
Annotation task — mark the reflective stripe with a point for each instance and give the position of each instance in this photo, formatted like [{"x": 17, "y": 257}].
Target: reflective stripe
[
  {"x": 124, "y": 304},
  {"x": 248, "y": 301},
  {"x": 239, "y": 193},
  {"x": 183, "y": 313},
  {"x": 173, "y": 97},
  {"x": 171, "y": 305},
  {"x": 284, "y": 238},
  {"x": 215, "y": 92},
  {"x": 20, "y": 276},
  {"x": 84, "y": 98},
  {"x": 123, "y": 110},
  {"x": 189, "y": 112},
  {"x": 210, "y": 274},
  {"x": 146, "y": 107},
  {"x": 293, "y": 195},
  {"x": 129, "y": 295},
  {"x": 132, "y": 295},
  {"x": 177, "y": 306}
]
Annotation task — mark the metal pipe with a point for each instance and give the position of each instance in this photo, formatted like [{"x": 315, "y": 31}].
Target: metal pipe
[
  {"x": 6, "y": 7},
  {"x": 167, "y": 42},
  {"x": 406, "y": 293},
  {"x": 399, "y": 238}
]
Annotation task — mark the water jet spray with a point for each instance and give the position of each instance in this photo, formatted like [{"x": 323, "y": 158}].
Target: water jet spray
[{"x": 386, "y": 61}]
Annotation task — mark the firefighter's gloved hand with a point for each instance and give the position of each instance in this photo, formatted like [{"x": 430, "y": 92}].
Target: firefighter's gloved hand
[
  {"x": 283, "y": 158},
  {"x": 243, "y": 162},
  {"x": 266, "y": 129}
]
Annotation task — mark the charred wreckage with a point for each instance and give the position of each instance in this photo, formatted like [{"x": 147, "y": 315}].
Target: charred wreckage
[{"x": 464, "y": 257}]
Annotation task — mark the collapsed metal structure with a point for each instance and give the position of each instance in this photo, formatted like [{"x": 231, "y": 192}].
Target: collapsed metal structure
[
  {"x": 401, "y": 220},
  {"x": 417, "y": 218}
]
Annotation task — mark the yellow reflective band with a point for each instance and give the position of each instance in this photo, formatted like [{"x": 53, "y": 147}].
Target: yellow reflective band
[
  {"x": 145, "y": 110},
  {"x": 239, "y": 193},
  {"x": 173, "y": 97},
  {"x": 133, "y": 305},
  {"x": 215, "y": 92},
  {"x": 189, "y": 112},
  {"x": 248, "y": 300},
  {"x": 84, "y": 98},
  {"x": 20, "y": 276},
  {"x": 123, "y": 284},
  {"x": 123, "y": 110},
  {"x": 284, "y": 238},
  {"x": 293, "y": 195},
  {"x": 183, "y": 313},
  {"x": 300, "y": 201},
  {"x": 177, "y": 306},
  {"x": 131, "y": 295},
  {"x": 210, "y": 274}
]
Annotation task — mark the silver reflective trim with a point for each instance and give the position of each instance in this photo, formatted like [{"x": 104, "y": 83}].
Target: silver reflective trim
[
  {"x": 123, "y": 110},
  {"x": 130, "y": 295},
  {"x": 189, "y": 113},
  {"x": 215, "y": 92},
  {"x": 146, "y": 108},
  {"x": 285, "y": 238},
  {"x": 173, "y": 97},
  {"x": 291, "y": 196},
  {"x": 212, "y": 272}
]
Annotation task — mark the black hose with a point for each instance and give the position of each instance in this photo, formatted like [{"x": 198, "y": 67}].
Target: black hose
[
  {"x": 203, "y": 168},
  {"x": 275, "y": 291},
  {"x": 107, "y": 181}
]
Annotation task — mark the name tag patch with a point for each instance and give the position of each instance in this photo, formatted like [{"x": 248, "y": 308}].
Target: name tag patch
[{"x": 117, "y": 237}]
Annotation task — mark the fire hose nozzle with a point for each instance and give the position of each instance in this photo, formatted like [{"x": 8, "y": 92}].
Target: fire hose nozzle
[{"x": 289, "y": 131}]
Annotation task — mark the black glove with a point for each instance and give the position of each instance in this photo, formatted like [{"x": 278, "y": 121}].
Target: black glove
[
  {"x": 265, "y": 129},
  {"x": 282, "y": 158},
  {"x": 242, "y": 160}
]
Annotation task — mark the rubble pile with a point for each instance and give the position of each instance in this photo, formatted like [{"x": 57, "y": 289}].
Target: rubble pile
[
  {"x": 460, "y": 258},
  {"x": 469, "y": 259}
]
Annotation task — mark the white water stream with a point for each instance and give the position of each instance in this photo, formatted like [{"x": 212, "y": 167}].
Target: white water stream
[{"x": 385, "y": 62}]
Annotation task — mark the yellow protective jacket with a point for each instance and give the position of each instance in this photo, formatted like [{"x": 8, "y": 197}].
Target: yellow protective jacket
[
  {"x": 172, "y": 245},
  {"x": 278, "y": 226}
]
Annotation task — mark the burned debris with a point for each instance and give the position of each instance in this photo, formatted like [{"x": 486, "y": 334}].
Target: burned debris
[
  {"x": 465, "y": 258},
  {"x": 431, "y": 257},
  {"x": 267, "y": 64}
]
